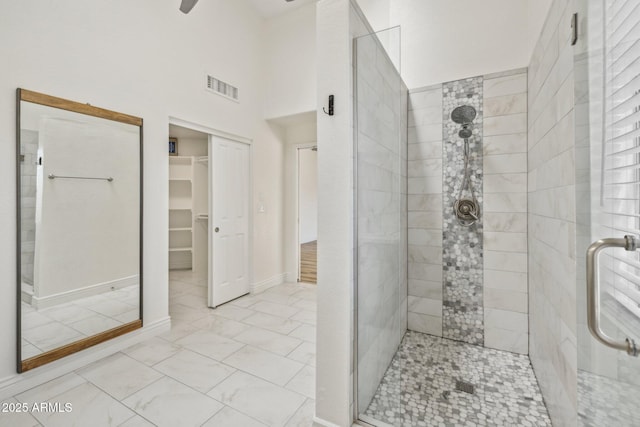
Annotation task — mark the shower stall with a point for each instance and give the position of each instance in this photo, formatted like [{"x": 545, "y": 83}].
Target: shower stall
[
  {"x": 425, "y": 346},
  {"x": 497, "y": 233}
]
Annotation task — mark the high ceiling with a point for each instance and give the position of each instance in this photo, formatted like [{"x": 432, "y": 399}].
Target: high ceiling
[{"x": 271, "y": 8}]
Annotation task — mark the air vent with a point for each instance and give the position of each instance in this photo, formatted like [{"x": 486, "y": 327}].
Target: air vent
[{"x": 222, "y": 88}]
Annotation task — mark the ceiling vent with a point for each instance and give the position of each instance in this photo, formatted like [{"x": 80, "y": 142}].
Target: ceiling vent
[{"x": 222, "y": 88}]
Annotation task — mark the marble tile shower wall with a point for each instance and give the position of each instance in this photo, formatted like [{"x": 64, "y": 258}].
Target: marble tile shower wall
[
  {"x": 505, "y": 211},
  {"x": 425, "y": 210},
  {"x": 502, "y": 295},
  {"x": 382, "y": 214},
  {"x": 552, "y": 215}
]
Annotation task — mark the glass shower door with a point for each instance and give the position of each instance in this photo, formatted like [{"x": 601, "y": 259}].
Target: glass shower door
[
  {"x": 607, "y": 117},
  {"x": 380, "y": 156}
]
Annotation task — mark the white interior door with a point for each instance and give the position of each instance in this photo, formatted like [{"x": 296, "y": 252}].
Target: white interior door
[{"x": 229, "y": 220}]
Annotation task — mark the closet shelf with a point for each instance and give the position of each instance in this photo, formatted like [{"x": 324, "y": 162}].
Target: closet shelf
[
  {"x": 187, "y": 249},
  {"x": 181, "y": 229}
]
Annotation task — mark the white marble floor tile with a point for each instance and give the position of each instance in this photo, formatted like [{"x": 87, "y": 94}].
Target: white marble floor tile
[
  {"x": 152, "y": 351},
  {"x": 308, "y": 294},
  {"x": 128, "y": 316},
  {"x": 304, "y": 382},
  {"x": 273, "y": 323},
  {"x": 303, "y": 416},
  {"x": 29, "y": 350},
  {"x": 137, "y": 421},
  {"x": 33, "y": 319},
  {"x": 68, "y": 313},
  {"x": 51, "y": 389},
  {"x": 50, "y": 336},
  {"x": 275, "y": 309},
  {"x": 245, "y": 301},
  {"x": 178, "y": 330},
  {"x": 119, "y": 375},
  {"x": 13, "y": 418},
  {"x": 166, "y": 402},
  {"x": 271, "y": 367},
  {"x": 232, "y": 312},
  {"x": 90, "y": 407},
  {"x": 221, "y": 326},
  {"x": 94, "y": 324},
  {"x": 229, "y": 417},
  {"x": 196, "y": 371},
  {"x": 305, "y": 316},
  {"x": 306, "y": 304},
  {"x": 277, "y": 298},
  {"x": 187, "y": 314},
  {"x": 190, "y": 300},
  {"x": 111, "y": 307},
  {"x": 304, "y": 353},
  {"x": 285, "y": 289},
  {"x": 269, "y": 341},
  {"x": 258, "y": 398},
  {"x": 305, "y": 332},
  {"x": 209, "y": 344}
]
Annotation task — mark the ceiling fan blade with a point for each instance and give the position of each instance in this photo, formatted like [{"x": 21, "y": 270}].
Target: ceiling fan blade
[{"x": 187, "y": 5}]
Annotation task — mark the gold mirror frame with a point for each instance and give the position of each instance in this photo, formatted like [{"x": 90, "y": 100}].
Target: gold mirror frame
[{"x": 76, "y": 346}]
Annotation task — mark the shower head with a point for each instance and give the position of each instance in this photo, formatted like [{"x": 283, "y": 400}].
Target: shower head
[{"x": 463, "y": 114}]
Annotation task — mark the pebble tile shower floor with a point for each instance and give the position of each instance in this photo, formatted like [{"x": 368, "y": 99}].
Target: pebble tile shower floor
[{"x": 419, "y": 387}]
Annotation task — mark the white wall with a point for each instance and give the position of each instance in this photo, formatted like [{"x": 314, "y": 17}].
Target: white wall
[
  {"x": 449, "y": 40},
  {"x": 335, "y": 217},
  {"x": 290, "y": 66},
  {"x": 308, "y": 195},
  {"x": 377, "y": 12},
  {"x": 537, "y": 11},
  {"x": 147, "y": 59}
]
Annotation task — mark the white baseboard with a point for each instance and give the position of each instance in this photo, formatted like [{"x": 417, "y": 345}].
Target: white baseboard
[
  {"x": 263, "y": 285},
  {"x": 323, "y": 423},
  {"x": 88, "y": 291},
  {"x": 17, "y": 383}
]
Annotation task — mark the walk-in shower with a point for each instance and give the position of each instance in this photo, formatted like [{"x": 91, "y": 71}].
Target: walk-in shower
[
  {"x": 467, "y": 210},
  {"x": 422, "y": 328}
]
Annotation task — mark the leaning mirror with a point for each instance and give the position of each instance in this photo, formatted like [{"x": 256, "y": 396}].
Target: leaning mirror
[{"x": 79, "y": 176}]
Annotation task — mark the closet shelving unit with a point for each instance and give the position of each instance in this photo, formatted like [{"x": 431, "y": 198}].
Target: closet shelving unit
[{"x": 180, "y": 212}]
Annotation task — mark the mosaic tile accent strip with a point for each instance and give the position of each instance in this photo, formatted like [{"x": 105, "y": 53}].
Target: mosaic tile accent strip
[
  {"x": 462, "y": 311},
  {"x": 606, "y": 402},
  {"x": 419, "y": 388}
]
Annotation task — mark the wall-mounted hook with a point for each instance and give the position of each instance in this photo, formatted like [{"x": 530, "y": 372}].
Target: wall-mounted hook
[{"x": 330, "y": 112}]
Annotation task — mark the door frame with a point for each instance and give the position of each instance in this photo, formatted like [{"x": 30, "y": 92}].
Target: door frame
[
  {"x": 213, "y": 132},
  {"x": 296, "y": 198}
]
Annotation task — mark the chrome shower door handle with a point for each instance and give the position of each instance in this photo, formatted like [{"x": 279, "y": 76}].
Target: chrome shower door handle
[{"x": 629, "y": 243}]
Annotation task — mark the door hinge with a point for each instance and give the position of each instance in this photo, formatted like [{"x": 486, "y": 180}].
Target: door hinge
[{"x": 574, "y": 29}]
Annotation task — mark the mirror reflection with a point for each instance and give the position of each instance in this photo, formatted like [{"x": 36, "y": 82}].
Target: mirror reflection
[{"x": 79, "y": 227}]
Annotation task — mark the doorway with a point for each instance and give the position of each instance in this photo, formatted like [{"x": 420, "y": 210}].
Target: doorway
[
  {"x": 209, "y": 218},
  {"x": 308, "y": 214},
  {"x": 188, "y": 221}
]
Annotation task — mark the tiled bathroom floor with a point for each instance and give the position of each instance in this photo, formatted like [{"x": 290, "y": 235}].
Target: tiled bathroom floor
[
  {"x": 248, "y": 363},
  {"x": 419, "y": 388}
]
